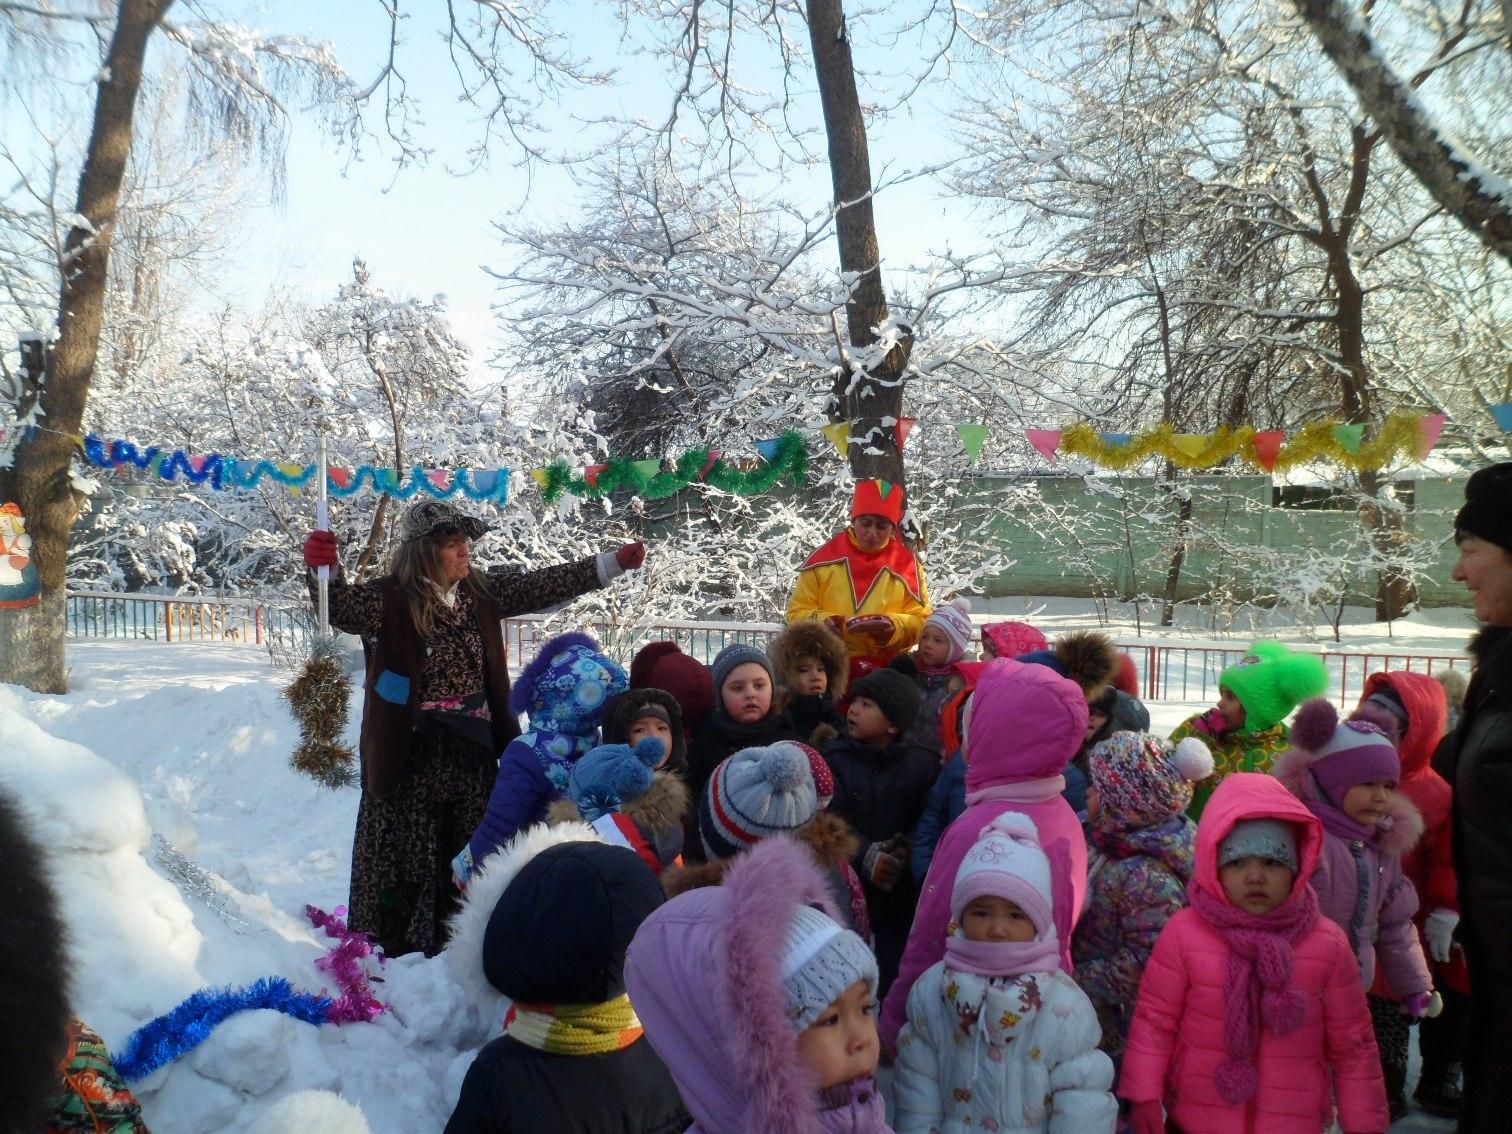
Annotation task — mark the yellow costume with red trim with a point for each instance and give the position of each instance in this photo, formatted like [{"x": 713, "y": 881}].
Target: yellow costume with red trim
[{"x": 842, "y": 580}]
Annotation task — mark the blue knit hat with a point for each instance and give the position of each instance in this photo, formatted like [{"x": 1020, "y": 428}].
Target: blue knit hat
[
  {"x": 756, "y": 793},
  {"x": 731, "y": 656}
]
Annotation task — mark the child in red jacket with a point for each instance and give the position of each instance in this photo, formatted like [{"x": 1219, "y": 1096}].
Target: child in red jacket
[
  {"x": 1251, "y": 1015},
  {"x": 1412, "y": 710}
]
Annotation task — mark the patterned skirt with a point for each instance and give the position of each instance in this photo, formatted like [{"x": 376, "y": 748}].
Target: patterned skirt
[{"x": 402, "y": 890}]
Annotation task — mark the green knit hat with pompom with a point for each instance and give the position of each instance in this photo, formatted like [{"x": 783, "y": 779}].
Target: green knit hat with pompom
[{"x": 1272, "y": 680}]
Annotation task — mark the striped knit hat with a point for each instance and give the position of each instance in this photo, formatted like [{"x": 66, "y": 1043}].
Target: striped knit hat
[{"x": 756, "y": 793}]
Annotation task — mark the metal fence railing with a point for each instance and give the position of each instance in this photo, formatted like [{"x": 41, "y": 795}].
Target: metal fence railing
[{"x": 1168, "y": 671}]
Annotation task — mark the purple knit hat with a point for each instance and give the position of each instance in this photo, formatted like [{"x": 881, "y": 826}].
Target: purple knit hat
[{"x": 1343, "y": 755}]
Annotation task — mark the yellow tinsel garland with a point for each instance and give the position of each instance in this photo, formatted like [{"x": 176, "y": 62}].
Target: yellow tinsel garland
[{"x": 1399, "y": 437}]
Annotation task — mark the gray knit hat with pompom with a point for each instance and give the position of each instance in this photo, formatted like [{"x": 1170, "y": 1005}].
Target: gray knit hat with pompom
[{"x": 756, "y": 793}]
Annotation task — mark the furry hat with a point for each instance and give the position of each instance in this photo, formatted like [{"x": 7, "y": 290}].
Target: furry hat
[
  {"x": 663, "y": 665},
  {"x": 705, "y": 973},
  {"x": 1126, "y": 676},
  {"x": 1270, "y": 681},
  {"x": 953, "y": 619},
  {"x": 754, "y": 794},
  {"x": 1087, "y": 657},
  {"x": 1455, "y": 683},
  {"x": 624, "y": 709},
  {"x": 811, "y": 639},
  {"x": 33, "y": 977},
  {"x": 485, "y": 886},
  {"x": 1014, "y": 639},
  {"x": 1142, "y": 781},
  {"x": 610, "y": 775},
  {"x": 567, "y": 685},
  {"x": 310, "y": 1112}
]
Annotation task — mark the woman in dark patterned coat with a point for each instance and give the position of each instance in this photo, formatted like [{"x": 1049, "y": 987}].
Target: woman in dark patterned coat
[{"x": 435, "y": 711}]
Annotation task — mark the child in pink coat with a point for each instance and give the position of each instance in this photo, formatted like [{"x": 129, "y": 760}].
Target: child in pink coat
[
  {"x": 1251, "y": 1015},
  {"x": 1025, "y": 723}
]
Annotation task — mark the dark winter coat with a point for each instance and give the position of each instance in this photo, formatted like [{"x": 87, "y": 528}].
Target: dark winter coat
[
  {"x": 946, "y": 801},
  {"x": 557, "y": 934},
  {"x": 465, "y": 655},
  {"x": 881, "y": 792},
  {"x": 717, "y": 740},
  {"x": 1476, "y": 759},
  {"x": 815, "y": 717},
  {"x": 34, "y": 1016}
]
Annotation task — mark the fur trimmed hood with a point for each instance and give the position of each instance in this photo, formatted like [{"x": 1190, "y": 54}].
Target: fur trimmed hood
[
  {"x": 660, "y": 809},
  {"x": 1400, "y": 830},
  {"x": 829, "y": 839},
  {"x": 704, "y": 973},
  {"x": 485, "y": 886},
  {"x": 811, "y": 639}
]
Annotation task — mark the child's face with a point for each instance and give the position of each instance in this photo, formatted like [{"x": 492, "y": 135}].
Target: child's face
[
  {"x": 867, "y": 723},
  {"x": 652, "y": 726},
  {"x": 995, "y": 919},
  {"x": 989, "y": 651},
  {"x": 842, "y": 1044},
  {"x": 934, "y": 648},
  {"x": 809, "y": 677},
  {"x": 1096, "y": 718},
  {"x": 1094, "y": 802},
  {"x": 747, "y": 693},
  {"x": 1232, "y": 710},
  {"x": 1366, "y": 803},
  {"x": 1256, "y": 885}
]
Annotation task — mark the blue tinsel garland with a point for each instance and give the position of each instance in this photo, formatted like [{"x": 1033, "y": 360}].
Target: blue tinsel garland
[{"x": 164, "y": 1039}]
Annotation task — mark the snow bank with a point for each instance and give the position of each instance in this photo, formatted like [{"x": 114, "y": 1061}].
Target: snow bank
[{"x": 191, "y": 743}]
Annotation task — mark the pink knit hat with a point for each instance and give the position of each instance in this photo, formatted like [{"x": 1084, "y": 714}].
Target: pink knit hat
[
  {"x": 954, "y": 621},
  {"x": 1007, "y": 862},
  {"x": 1343, "y": 755}
]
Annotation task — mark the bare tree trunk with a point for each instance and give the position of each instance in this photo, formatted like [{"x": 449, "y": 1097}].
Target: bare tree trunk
[
  {"x": 31, "y": 639},
  {"x": 865, "y": 398}
]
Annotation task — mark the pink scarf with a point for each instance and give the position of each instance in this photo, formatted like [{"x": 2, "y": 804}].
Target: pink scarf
[
  {"x": 1022, "y": 791},
  {"x": 1259, "y": 976},
  {"x": 1002, "y": 958}
]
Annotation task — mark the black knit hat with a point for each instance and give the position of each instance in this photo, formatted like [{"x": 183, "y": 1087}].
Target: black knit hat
[
  {"x": 1487, "y": 513},
  {"x": 897, "y": 696}
]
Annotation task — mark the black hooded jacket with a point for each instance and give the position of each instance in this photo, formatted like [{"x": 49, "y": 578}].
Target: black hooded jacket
[{"x": 558, "y": 936}]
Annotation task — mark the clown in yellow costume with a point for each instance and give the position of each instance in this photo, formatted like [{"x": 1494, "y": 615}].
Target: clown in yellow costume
[{"x": 864, "y": 582}]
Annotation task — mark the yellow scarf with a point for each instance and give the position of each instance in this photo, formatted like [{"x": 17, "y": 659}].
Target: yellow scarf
[{"x": 575, "y": 1029}]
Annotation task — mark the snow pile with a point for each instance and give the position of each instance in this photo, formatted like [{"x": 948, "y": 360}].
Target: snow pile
[{"x": 192, "y": 743}]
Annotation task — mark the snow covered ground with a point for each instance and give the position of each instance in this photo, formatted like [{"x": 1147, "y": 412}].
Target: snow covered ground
[{"x": 191, "y": 742}]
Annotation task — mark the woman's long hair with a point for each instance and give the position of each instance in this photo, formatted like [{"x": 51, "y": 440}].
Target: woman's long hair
[{"x": 416, "y": 565}]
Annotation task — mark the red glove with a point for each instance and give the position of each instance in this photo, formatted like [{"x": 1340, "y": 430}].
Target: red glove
[
  {"x": 631, "y": 556},
  {"x": 1147, "y": 1118},
  {"x": 320, "y": 549}
]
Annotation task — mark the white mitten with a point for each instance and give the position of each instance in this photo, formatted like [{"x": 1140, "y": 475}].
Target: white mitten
[{"x": 1438, "y": 927}]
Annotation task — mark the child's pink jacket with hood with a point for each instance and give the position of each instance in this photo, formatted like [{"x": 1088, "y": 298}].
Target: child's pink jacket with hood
[
  {"x": 1025, "y": 725},
  {"x": 1176, "y": 1040}
]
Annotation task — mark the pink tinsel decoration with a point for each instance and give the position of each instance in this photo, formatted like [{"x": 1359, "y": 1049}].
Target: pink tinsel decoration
[{"x": 344, "y": 963}]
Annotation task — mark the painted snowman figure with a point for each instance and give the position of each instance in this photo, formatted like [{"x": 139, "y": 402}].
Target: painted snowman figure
[{"x": 19, "y": 583}]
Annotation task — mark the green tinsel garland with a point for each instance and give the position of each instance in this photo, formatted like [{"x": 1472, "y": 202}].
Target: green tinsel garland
[
  {"x": 318, "y": 700},
  {"x": 790, "y": 459}
]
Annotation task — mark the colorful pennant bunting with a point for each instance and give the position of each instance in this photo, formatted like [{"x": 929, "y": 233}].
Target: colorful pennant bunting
[
  {"x": 1045, "y": 442},
  {"x": 1433, "y": 425},
  {"x": 838, "y": 434},
  {"x": 768, "y": 448},
  {"x": 1267, "y": 447},
  {"x": 1502, "y": 412},
  {"x": 973, "y": 437},
  {"x": 1349, "y": 436},
  {"x": 903, "y": 429}
]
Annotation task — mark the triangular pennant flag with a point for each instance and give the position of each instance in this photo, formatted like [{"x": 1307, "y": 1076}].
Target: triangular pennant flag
[
  {"x": 1191, "y": 445},
  {"x": 1432, "y": 425},
  {"x": 1502, "y": 412},
  {"x": 591, "y": 474},
  {"x": 1267, "y": 446},
  {"x": 1117, "y": 440},
  {"x": 439, "y": 477},
  {"x": 839, "y": 436},
  {"x": 1349, "y": 436},
  {"x": 155, "y": 466},
  {"x": 539, "y": 476},
  {"x": 904, "y": 428},
  {"x": 1045, "y": 441},
  {"x": 648, "y": 468},
  {"x": 973, "y": 437},
  {"x": 708, "y": 463},
  {"x": 340, "y": 477},
  {"x": 484, "y": 481},
  {"x": 196, "y": 461},
  {"x": 768, "y": 448}
]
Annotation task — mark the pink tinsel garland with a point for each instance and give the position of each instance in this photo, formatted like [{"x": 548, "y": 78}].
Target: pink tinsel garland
[{"x": 343, "y": 962}]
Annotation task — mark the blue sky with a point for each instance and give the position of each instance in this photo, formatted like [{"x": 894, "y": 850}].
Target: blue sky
[{"x": 427, "y": 231}]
